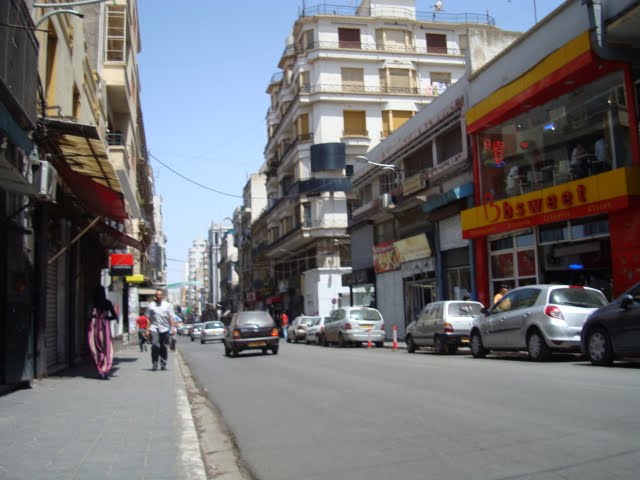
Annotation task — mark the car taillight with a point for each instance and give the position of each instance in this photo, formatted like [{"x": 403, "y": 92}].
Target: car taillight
[
  {"x": 448, "y": 328},
  {"x": 274, "y": 332},
  {"x": 553, "y": 312},
  {"x": 236, "y": 334},
  {"x": 347, "y": 326},
  {"x": 382, "y": 327}
]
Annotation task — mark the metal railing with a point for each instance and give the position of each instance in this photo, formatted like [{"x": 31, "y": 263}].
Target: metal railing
[
  {"x": 397, "y": 12},
  {"x": 379, "y": 47}
]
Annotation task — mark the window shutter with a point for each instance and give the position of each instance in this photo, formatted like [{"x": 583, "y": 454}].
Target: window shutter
[
  {"x": 354, "y": 123},
  {"x": 436, "y": 43}
]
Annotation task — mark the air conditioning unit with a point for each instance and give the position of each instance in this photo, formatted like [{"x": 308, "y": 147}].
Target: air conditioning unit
[{"x": 45, "y": 179}]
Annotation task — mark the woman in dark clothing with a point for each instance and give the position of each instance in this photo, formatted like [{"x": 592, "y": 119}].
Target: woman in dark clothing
[{"x": 99, "y": 333}]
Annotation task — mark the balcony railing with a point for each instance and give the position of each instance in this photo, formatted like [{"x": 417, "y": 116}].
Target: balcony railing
[
  {"x": 430, "y": 90},
  {"x": 379, "y": 47},
  {"x": 397, "y": 12}
]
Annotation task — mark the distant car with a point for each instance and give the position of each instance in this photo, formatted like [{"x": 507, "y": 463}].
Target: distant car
[
  {"x": 315, "y": 330},
  {"x": 183, "y": 329},
  {"x": 443, "y": 325},
  {"x": 613, "y": 331},
  {"x": 538, "y": 319},
  {"x": 353, "y": 326},
  {"x": 194, "y": 331},
  {"x": 297, "y": 330},
  {"x": 251, "y": 330},
  {"x": 212, "y": 331}
]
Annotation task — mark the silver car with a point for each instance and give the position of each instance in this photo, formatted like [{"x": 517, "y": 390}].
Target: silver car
[
  {"x": 297, "y": 330},
  {"x": 538, "y": 319},
  {"x": 354, "y": 326},
  {"x": 315, "y": 330},
  {"x": 212, "y": 331},
  {"x": 443, "y": 325}
]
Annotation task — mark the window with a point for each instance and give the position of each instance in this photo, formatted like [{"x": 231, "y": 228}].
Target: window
[
  {"x": 305, "y": 82},
  {"x": 355, "y": 124},
  {"x": 398, "y": 80},
  {"x": 394, "y": 40},
  {"x": 306, "y": 41},
  {"x": 76, "y": 103},
  {"x": 302, "y": 127},
  {"x": 349, "y": 38},
  {"x": 436, "y": 43},
  {"x": 440, "y": 81},
  {"x": 420, "y": 160},
  {"x": 449, "y": 144},
  {"x": 352, "y": 79},
  {"x": 116, "y": 34},
  {"x": 394, "y": 119},
  {"x": 365, "y": 194},
  {"x": 306, "y": 215}
]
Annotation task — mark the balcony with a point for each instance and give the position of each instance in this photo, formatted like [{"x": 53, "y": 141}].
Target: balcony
[
  {"x": 397, "y": 12},
  {"x": 380, "y": 47}
]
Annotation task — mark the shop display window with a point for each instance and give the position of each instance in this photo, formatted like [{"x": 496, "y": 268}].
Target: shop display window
[
  {"x": 579, "y": 134},
  {"x": 513, "y": 260},
  {"x": 580, "y": 229}
]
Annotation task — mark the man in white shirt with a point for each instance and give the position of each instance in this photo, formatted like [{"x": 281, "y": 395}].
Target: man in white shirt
[{"x": 160, "y": 314}]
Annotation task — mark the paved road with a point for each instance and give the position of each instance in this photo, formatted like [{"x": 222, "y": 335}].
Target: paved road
[{"x": 315, "y": 413}]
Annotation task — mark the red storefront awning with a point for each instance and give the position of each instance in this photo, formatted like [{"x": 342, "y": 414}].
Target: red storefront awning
[
  {"x": 118, "y": 239},
  {"x": 85, "y": 167}
]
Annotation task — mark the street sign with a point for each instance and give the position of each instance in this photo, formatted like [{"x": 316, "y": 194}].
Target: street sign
[
  {"x": 121, "y": 264},
  {"x": 139, "y": 278}
]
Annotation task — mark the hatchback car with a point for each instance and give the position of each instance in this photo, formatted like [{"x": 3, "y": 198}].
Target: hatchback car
[
  {"x": 297, "y": 330},
  {"x": 195, "y": 331},
  {"x": 538, "y": 319},
  {"x": 251, "y": 330},
  {"x": 613, "y": 331},
  {"x": 353, "y": 326},
  {"x": 315, "y": 330},
  {"x": 212, "y": 331},
  {"x": 442, "y": 325}
]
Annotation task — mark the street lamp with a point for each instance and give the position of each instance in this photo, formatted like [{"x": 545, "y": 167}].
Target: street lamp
[{"x": 384, "y": 166}]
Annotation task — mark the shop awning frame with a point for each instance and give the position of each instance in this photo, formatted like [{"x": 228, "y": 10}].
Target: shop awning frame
[{"x": 83, "y": 163}]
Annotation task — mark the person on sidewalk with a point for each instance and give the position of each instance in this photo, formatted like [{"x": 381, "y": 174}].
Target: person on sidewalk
[
  {"x": 99, "y": 332},
  {"x": 142, "y": 322},
  {"x": 160, "y": 313},
  {"x": 285, "y": 325}
]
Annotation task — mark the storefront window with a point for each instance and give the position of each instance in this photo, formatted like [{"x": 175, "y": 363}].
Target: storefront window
[
  {"x": 580, "y": 229},
  {"x": 513, "y": 260},
  {"x": 579, "y": 134}
]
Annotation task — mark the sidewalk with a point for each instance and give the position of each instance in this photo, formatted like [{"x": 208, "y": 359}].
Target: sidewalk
[{"x": 135, "y": 425}]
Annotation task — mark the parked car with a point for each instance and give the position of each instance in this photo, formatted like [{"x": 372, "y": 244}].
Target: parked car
[
  {"x": 353, "y": 326},
  {"x": 297, "y": 330},
  {"x": 251, "y": 330},
  {"x": 212, "y": 331},
  {"x": 194, "y": 331},
  {"x": 613, "y": 331},
  {"x": 315, "y": 330},
  {"x": 443, "y": 325},
  {"x": 538, "y": 319}
]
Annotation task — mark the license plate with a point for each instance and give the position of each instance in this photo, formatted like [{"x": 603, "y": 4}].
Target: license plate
[
  {"x": 257, "y": 344},
  {"x": 465, "y": 340}
]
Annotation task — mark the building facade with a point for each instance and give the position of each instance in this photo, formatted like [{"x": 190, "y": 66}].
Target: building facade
[
  {"x": 554, "y": 128},
  {"x": 349, "y": 77}
]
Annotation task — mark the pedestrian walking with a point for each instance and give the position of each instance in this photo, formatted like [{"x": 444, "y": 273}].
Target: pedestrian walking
[
  {"x": 142, "y": 322},
  {"x": 285, "y": 325},
  {"x": 99, "y": 332},
  {"x": 160, "y": 313}
]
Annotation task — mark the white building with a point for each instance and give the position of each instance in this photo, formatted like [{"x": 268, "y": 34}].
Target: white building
[
  {"x": 349, "y": 76},
  {"x": 197, "y": 277}
]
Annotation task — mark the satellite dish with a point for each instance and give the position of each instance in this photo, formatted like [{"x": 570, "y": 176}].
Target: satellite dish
[{"x": 438, "y": 6}]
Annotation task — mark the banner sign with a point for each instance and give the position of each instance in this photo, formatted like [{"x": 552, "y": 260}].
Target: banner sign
[
  {"x": 121, "y": 264},
  {"x": 385, "y": 258},
  {"x": 413, "y": 248}
]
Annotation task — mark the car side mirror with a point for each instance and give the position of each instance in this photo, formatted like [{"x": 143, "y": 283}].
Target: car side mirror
[
  {"x": 626, "y": 301},
  {"x": 485, "y": 310}
]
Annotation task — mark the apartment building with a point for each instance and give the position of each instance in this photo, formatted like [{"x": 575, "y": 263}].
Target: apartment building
[
  {"x": 348, "y": 78},
  {"x": 198, "y": 276}
]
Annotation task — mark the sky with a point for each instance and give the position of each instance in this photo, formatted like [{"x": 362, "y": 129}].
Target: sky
[{"x": 204, "y": 69}]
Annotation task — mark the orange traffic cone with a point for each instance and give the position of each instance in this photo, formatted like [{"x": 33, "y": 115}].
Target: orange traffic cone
[{"x": 395, "y": 337}]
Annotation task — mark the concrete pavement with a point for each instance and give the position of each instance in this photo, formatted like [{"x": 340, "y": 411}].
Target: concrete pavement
[{"x": 137, "y": 424}]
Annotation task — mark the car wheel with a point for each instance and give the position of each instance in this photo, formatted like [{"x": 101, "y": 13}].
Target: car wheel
[
  {"x": 202, "y": 342},
  {"x": 452, "y": 349},
  {"x": 537, "y": 348},
  {"x": 341, "y": 342},
  {"x": 234, "y": 352},
  {"x": 411, "y": 345},
  {"x": 192, "y": 339},
  {"x": 599, "y": 348},
  {"x": 440, "y": 345},
  {"x": 322, "y": 340},
  {"x": 274, "y": 350},
  {"x": 477, "y": 349},
  {"x": 288, "y": 340}
]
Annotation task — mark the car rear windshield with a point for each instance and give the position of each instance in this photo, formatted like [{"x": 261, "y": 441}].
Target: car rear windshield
[
  {"x": 577, "y": 297},
  {"x": 365, "y": 315},
  {"x": 250, "y": 318},
  {"x": 213, "y": 325},
  {"x": 464, "y": 309},
  {"x": 308, "y": 321}
]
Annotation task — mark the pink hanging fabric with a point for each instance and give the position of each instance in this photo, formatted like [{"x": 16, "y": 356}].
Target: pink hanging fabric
[{"x": 100, "y": 345}]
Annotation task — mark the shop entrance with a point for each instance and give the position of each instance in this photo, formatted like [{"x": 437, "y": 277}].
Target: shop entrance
[{"x": 418, "y": 292}]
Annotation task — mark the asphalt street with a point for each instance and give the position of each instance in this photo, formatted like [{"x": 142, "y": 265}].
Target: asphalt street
[{"x": 312, "y": 412}]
